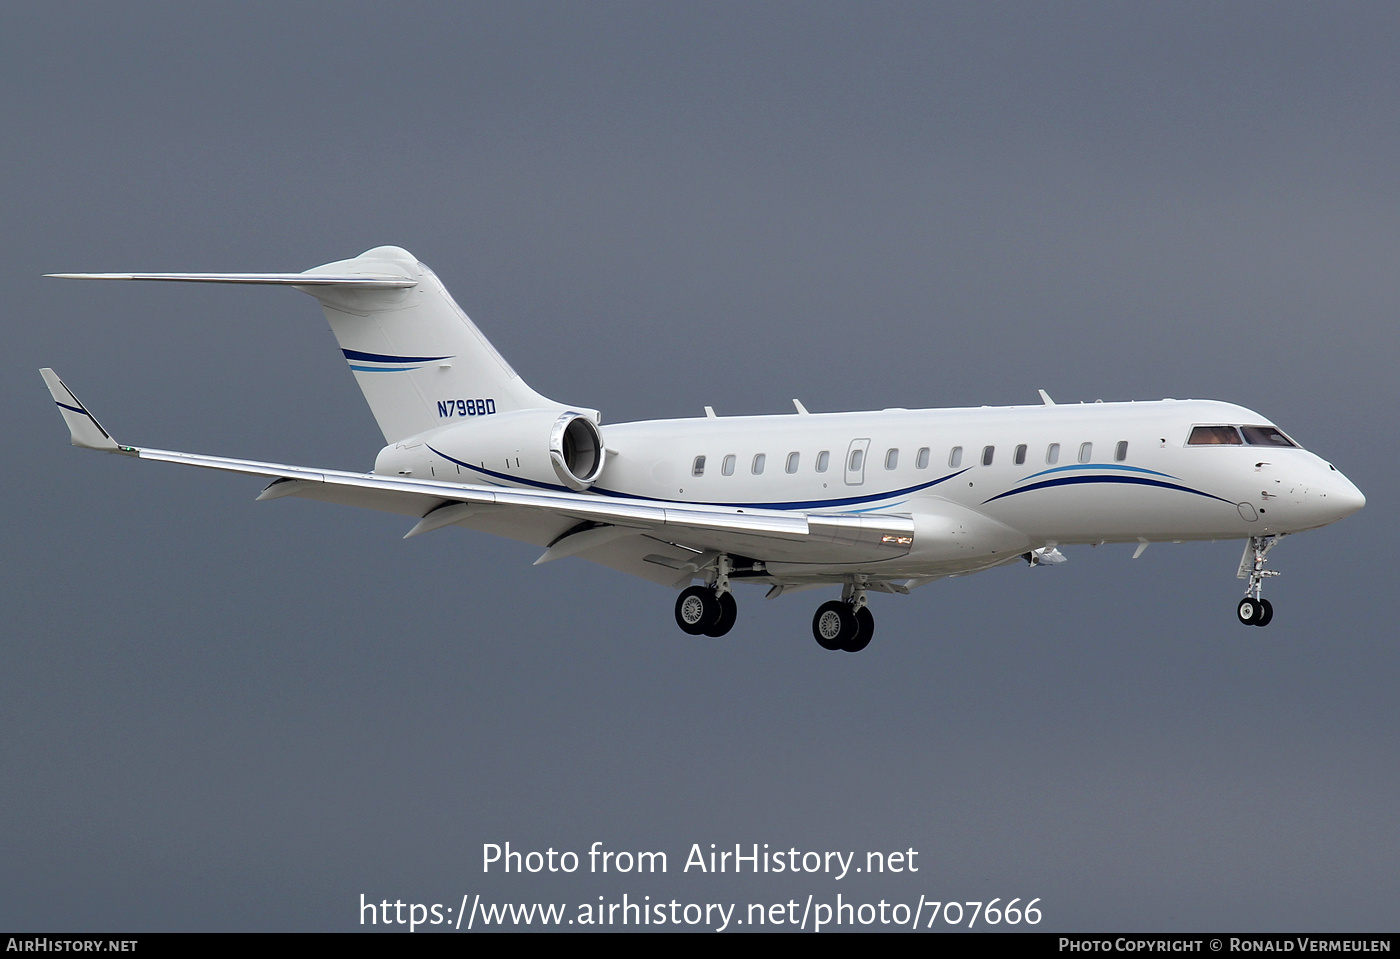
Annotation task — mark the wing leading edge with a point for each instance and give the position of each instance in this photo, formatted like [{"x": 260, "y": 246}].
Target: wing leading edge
[{"x": 549, "y": 518}]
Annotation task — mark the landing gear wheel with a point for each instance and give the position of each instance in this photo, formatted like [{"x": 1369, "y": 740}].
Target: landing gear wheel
[
  {"x": 697, "y": 610},
  {"x": 865, "y": 629},
  {"x": 1250, "y": 611},
  {"x": 833, "y": 625},
  {"x": 1266, "y": 613},
  {"x": 728, "y": 612}
]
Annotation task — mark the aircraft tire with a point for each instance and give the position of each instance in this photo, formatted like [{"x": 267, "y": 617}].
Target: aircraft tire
[
  {"x": 1249, "y": 611},
  {"x": 697, "y": 610},
  {"x": 865, "y": 630},
  {"x": 833, "y": 625},
  {"x": 728, "y": 613},
  {"x": 1266, "y": 613}
]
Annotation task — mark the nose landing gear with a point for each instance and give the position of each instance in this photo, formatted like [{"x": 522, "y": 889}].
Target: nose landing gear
[
  {"x": 1254, "y": 609},
  {"x": 1255, "y": 612}
]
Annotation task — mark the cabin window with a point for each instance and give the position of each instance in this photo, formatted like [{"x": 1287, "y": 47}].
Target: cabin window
[
  {"x": 955, "y": 457},
  {"x": 758, "y": 462},
  {"x": 1052, "y": 453},
  {"x": 699, "y": 468},
  {"x": 1214, "y": 436},
  {"x": 1120, "y": 452},
  {"x": 823, "y": 461},
  {"x": 1020, "y": 457},
  {"x": 857, "y": 458},
  {"x": 891, "y": 459},
  {"x": 987, "y": 453},
  {"x": 1086, "y": 452},
  {"x": 921, "y": 461},
  {"x": 1265, "y": 436},
  {"x": 727, "y": 467},
  {"x": 792, "y": 462}
]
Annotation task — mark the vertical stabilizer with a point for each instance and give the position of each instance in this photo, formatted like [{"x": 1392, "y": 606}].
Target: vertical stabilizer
[{"x": 419, "y": 360}]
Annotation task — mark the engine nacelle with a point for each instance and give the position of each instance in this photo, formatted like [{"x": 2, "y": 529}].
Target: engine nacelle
[{"x": 530, "y": 446}]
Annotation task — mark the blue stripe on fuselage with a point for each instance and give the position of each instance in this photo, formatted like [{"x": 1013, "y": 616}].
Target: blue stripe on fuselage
[
  {"x": 1079, "y": 480},
  {"x": 1095, "y": 466}
]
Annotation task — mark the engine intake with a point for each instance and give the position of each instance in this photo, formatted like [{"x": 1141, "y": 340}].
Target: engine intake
[{"x": 576, "y": 450}]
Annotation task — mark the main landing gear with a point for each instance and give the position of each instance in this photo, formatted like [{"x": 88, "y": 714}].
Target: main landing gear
[
  {"x": 709, "y": 610},
  {"x": 1254, "y": 609},
  {"x": 845, "y": 623},
  {"x": 700, "y": 612}
]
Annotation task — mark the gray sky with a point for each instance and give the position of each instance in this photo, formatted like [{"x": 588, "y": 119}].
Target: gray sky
[{"x": 221, "y": 714}]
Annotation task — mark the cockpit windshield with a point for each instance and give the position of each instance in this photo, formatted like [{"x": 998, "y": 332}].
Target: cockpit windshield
[
  {"x": 1214, "y": 436},
  {"x": 1265, "y": 436},
  {"x": 1238, "y": 436}
]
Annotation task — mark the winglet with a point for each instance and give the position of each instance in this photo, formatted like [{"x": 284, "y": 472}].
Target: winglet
[
  {"x": 1045, "y": 398},
  {"x": 83, "y": 426}
]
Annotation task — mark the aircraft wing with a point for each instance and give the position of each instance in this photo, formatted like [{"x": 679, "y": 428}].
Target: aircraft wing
[{"x": 566, "y": 523}]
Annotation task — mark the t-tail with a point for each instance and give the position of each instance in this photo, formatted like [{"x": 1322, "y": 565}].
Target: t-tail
[{"x": 419, "y": 360}]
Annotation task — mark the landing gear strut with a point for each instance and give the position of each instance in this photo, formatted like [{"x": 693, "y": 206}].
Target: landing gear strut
[
  {"x": 846, "y": 623},
  {"x": 1254, "y": 609},
  {"x": 709, "y": 610}
]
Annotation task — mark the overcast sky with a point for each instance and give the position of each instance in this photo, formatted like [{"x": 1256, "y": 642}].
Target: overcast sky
[{"x": 222, "y": 714}]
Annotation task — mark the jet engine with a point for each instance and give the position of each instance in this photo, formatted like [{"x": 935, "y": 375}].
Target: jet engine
[{"x": 533, "y": 447}]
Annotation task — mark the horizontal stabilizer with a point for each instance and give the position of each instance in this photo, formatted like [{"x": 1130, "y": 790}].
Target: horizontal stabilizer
[
  {"x": 83, "y": 427},
  {"x": 264, "y": 279}
]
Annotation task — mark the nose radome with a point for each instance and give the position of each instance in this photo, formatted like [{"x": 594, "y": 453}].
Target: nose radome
[
  {"x": 1352, "y": 497},
  {"x": 1338, "y": 495}
]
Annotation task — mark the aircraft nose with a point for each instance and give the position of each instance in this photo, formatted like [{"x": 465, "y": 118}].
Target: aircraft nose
[
  {"x": 1351, "y": 499},
  {"x": 1338, "y": 496}
]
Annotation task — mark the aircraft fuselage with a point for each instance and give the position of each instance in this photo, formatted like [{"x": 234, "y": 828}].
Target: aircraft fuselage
[{"x": 1082, "y": 473}]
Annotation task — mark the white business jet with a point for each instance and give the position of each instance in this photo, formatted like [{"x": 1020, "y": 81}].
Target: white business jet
[{"x": 880, "y": 501}]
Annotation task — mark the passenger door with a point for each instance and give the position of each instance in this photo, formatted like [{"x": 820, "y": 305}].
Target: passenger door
[{"x": 855, "y": 462}]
